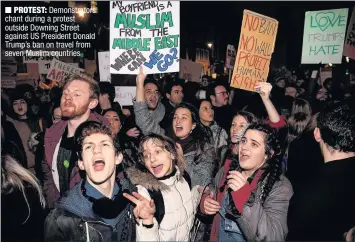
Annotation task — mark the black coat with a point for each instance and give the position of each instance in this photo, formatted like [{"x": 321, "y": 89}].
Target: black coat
[
  {"x": 325, "y": 209},
  {"x": 304, "y": 157},
  {"x": 14, "y": 212},
  {"x": 73, "y": 219}
]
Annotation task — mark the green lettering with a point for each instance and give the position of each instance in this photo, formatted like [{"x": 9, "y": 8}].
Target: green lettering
[
  {"x": 141, "y": 20},
  {"x": 342, "y": 21},
  {"x": 121, "y": 19},
  {"x": 167, "y": 17},
  {"x": 117, "y": 42},
  {"x": 129, "y": 44},
  {"x": 335, "y": 51},
  {"x": 146, "y": 44}
]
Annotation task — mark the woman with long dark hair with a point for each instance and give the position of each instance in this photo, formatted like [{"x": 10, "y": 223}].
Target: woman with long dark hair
[
  {"x": 196, "y": 142},
  {"x": 206, "y": 113},
  {"x": 252, "y": 194}
]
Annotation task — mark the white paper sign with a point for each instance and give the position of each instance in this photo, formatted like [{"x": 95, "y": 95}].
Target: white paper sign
[
  {"x": 104, "y": 66},
  {"x": 144, "y": 33},
  {"x": 124, "y": 95},
  {"x": 60, "y": 70}
]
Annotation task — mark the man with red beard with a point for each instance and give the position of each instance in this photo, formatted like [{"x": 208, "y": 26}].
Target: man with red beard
[
  {"x": 80, "y": 96},
  {"x": 148, "y": 110}
]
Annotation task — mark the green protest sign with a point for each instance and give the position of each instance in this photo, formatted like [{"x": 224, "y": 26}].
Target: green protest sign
[{"x": 323, "y": 37}]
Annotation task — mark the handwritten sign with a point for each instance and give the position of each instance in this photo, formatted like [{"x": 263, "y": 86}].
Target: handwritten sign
[
  {"x": 323, "y": 37},
  {"x": 104, "y": 66},
  {"x": 190, "y": 71},
  {"x": 60, "y": 70},
  {"x": 8, "y": 82},
  {"x": 125, "y": 95},
  {"x": 256, "y": 45},
  {"x": 230, "y": 57},
  {"x": 144, "y": 33},
  {"x": 349, "y": 46}
]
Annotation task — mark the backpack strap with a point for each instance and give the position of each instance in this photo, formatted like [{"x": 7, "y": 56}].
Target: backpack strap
[
  {"x": 159, "y": 204},
  {"x": 187, "y": 178}
]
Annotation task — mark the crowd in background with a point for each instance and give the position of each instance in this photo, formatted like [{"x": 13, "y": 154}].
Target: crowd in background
[{"x": 274, "y": 164}]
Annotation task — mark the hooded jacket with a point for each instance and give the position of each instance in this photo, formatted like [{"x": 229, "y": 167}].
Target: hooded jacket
[
  {"x": 52, "y": 140},
  {"x": 74, "y": 220},
  {"x": 180, "y": 205}
]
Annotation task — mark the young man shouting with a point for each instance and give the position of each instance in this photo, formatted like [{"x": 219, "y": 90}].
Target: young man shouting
[{"x": 95, "y": 209}]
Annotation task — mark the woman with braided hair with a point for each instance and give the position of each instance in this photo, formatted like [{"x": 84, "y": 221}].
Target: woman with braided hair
[{"x": 252, "y": 194}]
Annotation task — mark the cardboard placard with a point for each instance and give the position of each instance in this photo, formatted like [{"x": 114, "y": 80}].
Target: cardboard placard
[
  {"x": 144, "y": 33},
  {"x": 60, "y": 70},
  {"x": 104, "y": 66},
  {"x": 125, "y": 95},
  {"x": 230, "y": 57},
  {"x": 190, "y": 71},
  {"x": 256, "y": 45},
  {"x": 349, "y": 45},
  {"x": 323, "y": 37}
]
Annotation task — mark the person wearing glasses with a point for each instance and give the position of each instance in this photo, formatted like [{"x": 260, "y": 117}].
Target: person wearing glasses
[{"x": 218, "y": 95}]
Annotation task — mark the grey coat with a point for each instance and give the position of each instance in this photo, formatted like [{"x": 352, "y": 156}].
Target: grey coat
[
  {"x": 220, "y": 136},
  {"x": 201, "y": 165},
  {"x": 268, "y": 221},
  {"x": 146, "y": 121}
]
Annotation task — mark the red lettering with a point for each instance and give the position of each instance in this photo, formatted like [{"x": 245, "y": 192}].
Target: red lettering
[
  {"x": 252, "y": 23},
  {"x": 245, "y": 42}
]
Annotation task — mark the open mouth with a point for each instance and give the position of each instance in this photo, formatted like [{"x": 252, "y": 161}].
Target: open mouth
[
  {"x": 99, "y": 165},
  {"x": 157, "y": 169},
  {"x": 243, "y": 157},
  {"x": 178, "y": 128}
]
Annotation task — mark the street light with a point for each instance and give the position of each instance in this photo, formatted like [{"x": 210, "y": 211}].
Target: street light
[
  {"x": 209, "y": 45},
  {"x": 81, "y": 13}
]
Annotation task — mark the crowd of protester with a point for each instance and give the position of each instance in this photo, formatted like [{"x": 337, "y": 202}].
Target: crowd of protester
[{"x": 188, "y": 161}]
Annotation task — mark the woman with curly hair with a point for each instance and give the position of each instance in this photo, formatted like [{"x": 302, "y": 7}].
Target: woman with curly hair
[{"x": 252, "y": 194}]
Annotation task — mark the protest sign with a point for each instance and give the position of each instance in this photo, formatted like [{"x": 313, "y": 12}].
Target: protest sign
[
  {"x": 256, "y": 45},
  {"x": 190, "y": 71},
  {"x": 104, "y": 66},
  {"x": 230, "y": 57},
  {"x": 144, "y": 33},
  {"x": 323, "y": 37},
  {"x": 124, "y": 95},
  {"x": 349, "y": 45},
  {"x": 44, "y": 62},
  {"x": 60, "y": 70}
]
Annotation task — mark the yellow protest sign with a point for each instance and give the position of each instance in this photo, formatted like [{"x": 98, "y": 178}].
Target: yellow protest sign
[{"x": 256, "y": 45}]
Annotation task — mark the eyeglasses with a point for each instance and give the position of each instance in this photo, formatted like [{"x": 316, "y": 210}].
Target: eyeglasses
[{"x": 223, "y": 93}]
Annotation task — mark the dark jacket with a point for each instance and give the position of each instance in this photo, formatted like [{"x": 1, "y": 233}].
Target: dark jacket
[
  {"x": 12, "y": 143},
  {"x": 223, "y": 116},
  {"x": 74, "y": 220},
  {"x": 14, "y": 212},
  {"x": 324, "y": 210},
  {"x": 304, "y": 154},
  {"x": 51, "y": 139}
]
